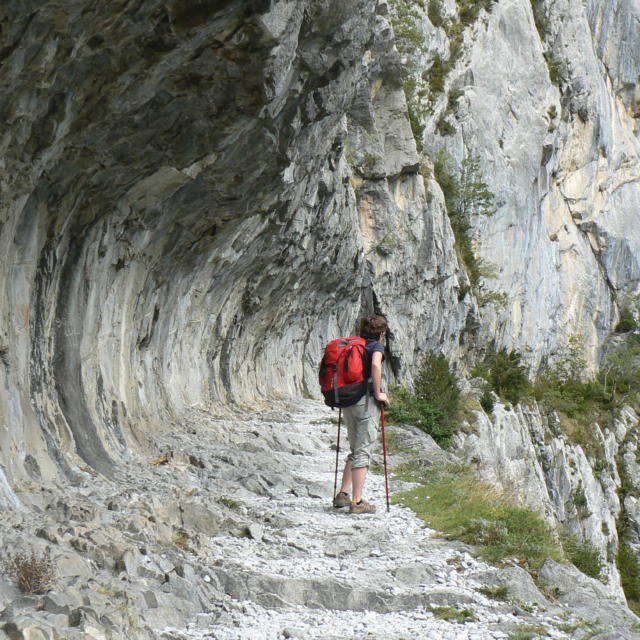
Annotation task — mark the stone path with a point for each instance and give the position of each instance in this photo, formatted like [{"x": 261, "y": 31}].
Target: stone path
[
  {"x": 223, "y": 529},
  {"x": 311, "y": 571}
]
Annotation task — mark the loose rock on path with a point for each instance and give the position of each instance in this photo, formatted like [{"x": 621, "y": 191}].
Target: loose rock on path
[
  {"x": 313, "y": 571},
  {"x": 223, "y": 528}
]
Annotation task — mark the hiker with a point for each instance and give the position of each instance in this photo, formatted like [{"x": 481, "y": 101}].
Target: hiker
[{"x": 363, "y": 419}]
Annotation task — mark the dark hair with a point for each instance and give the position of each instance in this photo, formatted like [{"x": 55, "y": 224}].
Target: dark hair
[{"x": 372, "y": 326}]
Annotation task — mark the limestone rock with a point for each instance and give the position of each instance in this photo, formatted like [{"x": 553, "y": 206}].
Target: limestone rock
[
  {"x": 197, "y": 196},
  {"x": 585, "y": 595}
]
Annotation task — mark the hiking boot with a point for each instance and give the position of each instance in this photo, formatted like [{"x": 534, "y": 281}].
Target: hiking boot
[
  {"x": 342, "y": 499},
  {"x": 361, "y": 507}
]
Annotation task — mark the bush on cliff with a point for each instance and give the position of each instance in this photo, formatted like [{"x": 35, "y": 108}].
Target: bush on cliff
[
  {"x": 505, "y": 373},
  {"x": 584, "y": 556},
  {"x": 466, "y": 195},
  {"x": 563, "y": 387},
  {"x": 432, "y": 402}
]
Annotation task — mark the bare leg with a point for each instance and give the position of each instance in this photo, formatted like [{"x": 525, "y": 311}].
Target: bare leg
[
  {"x": 357, "y": 479},
  {"x": 346, "y": 478}
]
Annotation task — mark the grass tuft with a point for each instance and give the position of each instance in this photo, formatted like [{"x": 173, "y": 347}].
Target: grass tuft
[
  {"x": 160, "y": 460},
  {"x": 228, "y": 502},
  {"x": 495, "y": 593},
  {"x": 181, "y": 539},
  {"x": 454, "y": 615}
]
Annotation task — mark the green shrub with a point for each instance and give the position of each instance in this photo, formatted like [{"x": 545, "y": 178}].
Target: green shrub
[
  {"x": 627, "y": 321},
  {"x": 452, "y": 99},
  {"x": 629, "y": 315},
  {"x": 562, "y": 387},
  {"x": 540, "y": 18},
  {"x": 487, "y": 401},
  {"x": 412, "y": 46},
  {"x": 369, "y": 161},
  {"x": 469, "y": 10},
  {"x": 584, "y": 556},
  {"x": 437, "y": 385},
  {"x": 407, "y": 408},
  {"x": 629, "y": 567},
  {"x": 432, "y": 403},
  {"x": 505, "y": 374},
  {"x": 434, "y": 11},
  {"x": 619, "y": 377},
  {"x": 437, "y": 74},
  {"x": 417, "y": 128},
  {"x": 445, "y": 178},
  {"x": 555, "y": 67},
  {"x": 465, "y": 195},
  {"x": 444, "y": 127}
]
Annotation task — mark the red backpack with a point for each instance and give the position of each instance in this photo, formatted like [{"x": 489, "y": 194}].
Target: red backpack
[{"x": 342, "y": 372}]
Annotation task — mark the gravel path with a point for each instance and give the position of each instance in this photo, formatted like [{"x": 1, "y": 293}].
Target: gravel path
[{"x": 311, "y": 571}]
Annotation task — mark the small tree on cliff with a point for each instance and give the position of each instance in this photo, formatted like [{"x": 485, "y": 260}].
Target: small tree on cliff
[{"x": 466, "y": 195}]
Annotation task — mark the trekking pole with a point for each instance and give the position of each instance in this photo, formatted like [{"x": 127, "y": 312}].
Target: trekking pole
[
  {"x": 335, "y": 480},
  {"x": 384, "y": 455}
]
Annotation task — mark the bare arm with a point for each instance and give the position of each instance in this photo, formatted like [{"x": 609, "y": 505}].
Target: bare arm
[{"x": 376, "y": 376}]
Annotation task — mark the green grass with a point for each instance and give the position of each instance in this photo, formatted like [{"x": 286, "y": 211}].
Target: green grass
[
  {"x": 228, "y": 502},
  {"x": 453, "y": 501},
  {"x": 454, "y": 615},
  {"x": 495, "y": 593},
  {"x": 529, "y": 632}
]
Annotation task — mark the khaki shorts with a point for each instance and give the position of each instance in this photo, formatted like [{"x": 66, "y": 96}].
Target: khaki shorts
[{"x": 362, "y": 420}]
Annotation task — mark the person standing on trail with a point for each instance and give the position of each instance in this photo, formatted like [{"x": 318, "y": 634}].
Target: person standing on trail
[{"x": 363, "y": 419}]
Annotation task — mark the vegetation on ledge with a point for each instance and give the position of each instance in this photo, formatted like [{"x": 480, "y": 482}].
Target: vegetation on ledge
[
  {"x": 453, "y": 501},
  {"x": 432, "y": 403}
]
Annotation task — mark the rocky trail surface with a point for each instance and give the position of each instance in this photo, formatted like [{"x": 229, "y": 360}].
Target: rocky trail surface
[{"x": 229, "y": 533}]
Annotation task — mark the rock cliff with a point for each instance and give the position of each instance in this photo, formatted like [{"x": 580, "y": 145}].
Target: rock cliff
[
  {"x": 577, "y": 487},
  {"x": 195, "y": 199},
  {"x": 548, "y": 100},
  {"x": 197, "y": 195}
]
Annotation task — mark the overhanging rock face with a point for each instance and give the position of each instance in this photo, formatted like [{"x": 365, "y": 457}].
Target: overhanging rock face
[{"x": 195, "y": 197}]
